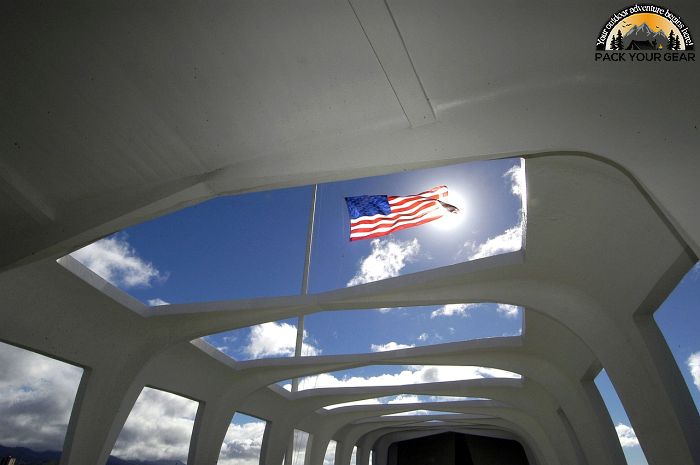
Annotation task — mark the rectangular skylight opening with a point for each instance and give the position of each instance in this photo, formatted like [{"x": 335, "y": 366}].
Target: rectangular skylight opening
[
  {"x": 226, "y": 248},
  {"x": 489, "y": 220},
  {"x": 255, "y": 244},
  {"x": 403, "y": 399},
  {"x": 274, "y": 339},
  {"x": 378, "y": 330},
  {"x": 397, "y": 375}
]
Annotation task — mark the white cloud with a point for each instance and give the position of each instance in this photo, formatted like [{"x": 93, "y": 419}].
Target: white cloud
[
  {"x": 387, "y": 259},
  {"x": 411, "y": 412},
  {"x": 401, "y": 399},
  {"x": 276, "y": 340},
  {"x": 423, "y": 337},
  {"x": 157, "y": 301},
  {"x": 626, "y": 435},
  {"x": 36, "y": 398},
  {"x": 390, "y": 346},
  {"x": 453, "y": 398},
  {"x": 309, "y": 350},
  {"x": 516, "y": 174},
  {"x": 116, "y": 261},
  {"x": 299, "y": 442},
  {"x": 508, "y": 241},
  {"x": 37, "y": 395},
  {"x": 158, "y": 428},
  {"x": 694, "y": 367},
  {"x": 509, "y": 311},
  {"x": 389, "y": 309},
  {"x": 242, "y": 444},
  {"x": 373, "y": 401},
  {"x": 519, "y": 332},
  {"x": 453, "y": 309},
  {"x": 329, "y": 458},
  {"x": 411, "y": 375},
  {"x": 511, "y": 239},
  {"x": 405, "y": 399}
]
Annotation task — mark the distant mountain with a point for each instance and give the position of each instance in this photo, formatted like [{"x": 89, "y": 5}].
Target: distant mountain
[
  {"x": 150, "y": 462},
  {"x": 27, "y": 456},
  {"x": 643, "y": 32},
  {"x": 112, "y": 460},
  {"x": 30, "y": 457}
]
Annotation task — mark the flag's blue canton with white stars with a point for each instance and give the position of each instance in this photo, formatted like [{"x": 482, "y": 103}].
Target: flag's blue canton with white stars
[
  {"x": 378, "y": 215},
  {"x": 368, "y": 205}
]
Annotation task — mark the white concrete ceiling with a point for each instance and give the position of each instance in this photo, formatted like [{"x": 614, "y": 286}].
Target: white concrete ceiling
[{"x": 117, "y": 112}]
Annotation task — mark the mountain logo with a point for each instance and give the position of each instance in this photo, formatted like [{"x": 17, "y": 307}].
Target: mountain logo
[{"x": 648, "y": 28}]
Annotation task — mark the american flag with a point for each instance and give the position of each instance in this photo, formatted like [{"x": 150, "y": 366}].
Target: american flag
[{"x": 379, "y": 215}]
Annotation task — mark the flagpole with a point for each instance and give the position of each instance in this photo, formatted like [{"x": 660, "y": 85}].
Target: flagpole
[
  {"x": 309, "y": 242},
  {"x": 300, "y": 320},
  {"x": 305, "y": 280}
]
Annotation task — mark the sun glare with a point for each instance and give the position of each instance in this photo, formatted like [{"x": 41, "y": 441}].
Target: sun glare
[{"x": 453, "y": 220}]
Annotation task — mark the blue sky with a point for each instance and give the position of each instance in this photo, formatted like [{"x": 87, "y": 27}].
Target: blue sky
[
  {"x": 338, "y": 332},
  {"x": 679, "y": 320},
  {"x": 253, "y": 245}
]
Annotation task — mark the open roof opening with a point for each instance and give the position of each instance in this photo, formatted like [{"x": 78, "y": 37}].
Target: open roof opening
[
  {"x": 364, "y": 331},
  {"x": 378, "y": 330},
  {"x": 222, "y": 249},
  {"x": 254, "y": 245},
  {"x": 403, "y": 399},
  {"x": 418, "y": 412},
  {"x": 267, "y": 340},
  {"x": 489, "y": 196},
  {"x": 397, "y": 375}
]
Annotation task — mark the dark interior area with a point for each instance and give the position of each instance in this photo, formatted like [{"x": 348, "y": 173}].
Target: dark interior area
[{"x": 456, "y": 449}]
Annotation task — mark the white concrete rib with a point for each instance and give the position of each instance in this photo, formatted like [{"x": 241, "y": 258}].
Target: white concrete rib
[{"x": 588, "y": 281}]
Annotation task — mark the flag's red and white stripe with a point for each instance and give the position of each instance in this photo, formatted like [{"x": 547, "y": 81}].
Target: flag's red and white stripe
[{"x": 406, "y": 212}]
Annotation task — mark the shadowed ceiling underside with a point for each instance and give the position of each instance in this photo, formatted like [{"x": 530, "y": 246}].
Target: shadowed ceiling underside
[{"x": 117, "y": 113}]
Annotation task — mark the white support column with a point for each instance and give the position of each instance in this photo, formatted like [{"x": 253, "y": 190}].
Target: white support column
[
  {"x": 307, "y": 449},
  {"x": 316, "y": 450},
  {"x": 343, "y": 452},
  {"x": 103, "y": 402},
  {"x": 363, "y": 452},
  {"x": 210, "y": 426},
  {"x": 655, "y": 397},
  {"x": 277, "y": 444}
]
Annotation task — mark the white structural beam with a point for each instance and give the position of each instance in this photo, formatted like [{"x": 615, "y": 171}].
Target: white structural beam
[
  {"x": 110, "y": 118},
  {"x": 382, "y": 32}
]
